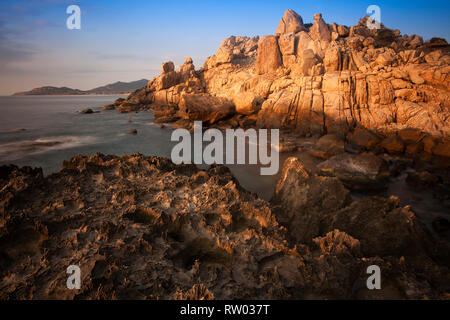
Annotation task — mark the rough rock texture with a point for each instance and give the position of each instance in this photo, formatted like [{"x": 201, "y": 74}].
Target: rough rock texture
[
  {"x": 138, "y": 227},
  {"x": 375, "y": 228},
  {"x": 321, "y": 78},
  {"x": 143, "y": 228}
]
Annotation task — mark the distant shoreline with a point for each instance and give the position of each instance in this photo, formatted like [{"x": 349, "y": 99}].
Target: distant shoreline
[
  {"x": 67, "y": 95},
  {"x": 122, "y": 88}
]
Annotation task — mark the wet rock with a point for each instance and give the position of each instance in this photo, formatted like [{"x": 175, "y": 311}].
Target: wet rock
[
  {"x": 87, "y": 111},
  {"x": 421, "y": 180},
  {"x": 414, "y": 148},
  {"x": 393, "y": 144},
  {"x": 363, "y": 139},
  {"x": 328, "y": 146},
  {"x": 358, "y": 172},
  {"x": 442, "y": 227}
]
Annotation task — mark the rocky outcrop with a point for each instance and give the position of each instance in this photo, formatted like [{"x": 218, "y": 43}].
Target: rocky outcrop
[
  {"x": 309, "y": 205},
  {"x": 291, "y": 22},
  {"x": 205, "y": 108},
  {"x": 269, "y": 55},
  {"x": 143, "y": 228},
  {"x": 321, "y": 78}
]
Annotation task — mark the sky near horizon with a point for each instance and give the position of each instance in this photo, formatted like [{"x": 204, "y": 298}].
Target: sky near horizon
[{"x": 128, "y": 40}]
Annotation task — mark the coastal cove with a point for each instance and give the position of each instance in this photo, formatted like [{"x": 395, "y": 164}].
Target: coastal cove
[{"x": 45, "y": 131}]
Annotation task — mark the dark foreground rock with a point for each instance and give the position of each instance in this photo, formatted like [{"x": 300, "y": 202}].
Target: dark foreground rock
[{"x": 143, "y": 228}]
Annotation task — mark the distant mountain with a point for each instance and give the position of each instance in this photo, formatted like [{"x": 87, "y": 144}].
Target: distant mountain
[
  {"x": 43, "y": 91},
  {"x": 119, "y": 87},
  {"x": 113, "y": 88}
]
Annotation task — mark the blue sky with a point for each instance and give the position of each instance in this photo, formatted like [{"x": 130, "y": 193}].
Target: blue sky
[{"x": 128, "y": 40}]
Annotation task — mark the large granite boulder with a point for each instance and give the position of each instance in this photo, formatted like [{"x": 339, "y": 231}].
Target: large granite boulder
[
  {"x": 205, "y": 108},
  {"x": 269, "y": 55}
]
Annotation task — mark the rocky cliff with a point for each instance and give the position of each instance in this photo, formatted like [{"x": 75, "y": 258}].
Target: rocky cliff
[{"x": 313, "y": 79}]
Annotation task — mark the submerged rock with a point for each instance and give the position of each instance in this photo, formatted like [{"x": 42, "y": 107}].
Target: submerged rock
[
  {"x": 328, "y": 146},
  {"x": 363, "y": 171},
  {"x": 87, "y": 111}
]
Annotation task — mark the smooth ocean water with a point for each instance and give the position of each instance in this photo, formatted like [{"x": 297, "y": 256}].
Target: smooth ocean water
[{"x": 55, "y": 131}]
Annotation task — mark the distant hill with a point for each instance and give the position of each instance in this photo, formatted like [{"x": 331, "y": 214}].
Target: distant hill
[
  {"x": 119, "y": 87},
  {"x": 113, "y": 88},
  {"x": 43, "y": 91}
]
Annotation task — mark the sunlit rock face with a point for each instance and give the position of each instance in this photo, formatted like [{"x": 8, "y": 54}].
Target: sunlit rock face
[{"x": 316, "y": 79}]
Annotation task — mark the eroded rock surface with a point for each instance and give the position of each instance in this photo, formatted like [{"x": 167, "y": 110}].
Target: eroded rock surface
[{"x": 143, "y": 228}]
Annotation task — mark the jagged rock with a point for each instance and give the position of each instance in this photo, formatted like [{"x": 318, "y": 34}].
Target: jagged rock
[
  {"x": 290, "y": 23},
  {"x": 301, "y": 196},
  {"x": 319, "y": 30},
  {"x": 177, "y": 232},
  {"x": 343, "y": 31},
  {"x": 358, "y": 172}
]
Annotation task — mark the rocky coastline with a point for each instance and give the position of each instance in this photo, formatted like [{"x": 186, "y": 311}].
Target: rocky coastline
[
  {"x": 378, "y": 90},
  {"x": 374, "y": 104},
  {"x": 143, "y": 228}
]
